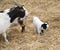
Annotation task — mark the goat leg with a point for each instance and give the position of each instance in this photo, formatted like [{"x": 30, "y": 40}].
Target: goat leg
[{"x": 22, "y": 24}]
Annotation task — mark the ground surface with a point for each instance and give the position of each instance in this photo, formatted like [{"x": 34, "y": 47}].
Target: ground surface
[{"x": 46, "y": 10}]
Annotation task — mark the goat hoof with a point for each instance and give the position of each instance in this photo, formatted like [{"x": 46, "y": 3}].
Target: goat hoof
[
  {"x": 22, "y": 31},
  {"x": 5, "y": 40}
]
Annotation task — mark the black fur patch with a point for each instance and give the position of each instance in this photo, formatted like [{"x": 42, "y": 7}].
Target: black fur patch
[
  {"x": 44, "y": 26},
  {"x": 16, "y": 12},
  {"x": 1, "y": 11},
  {"x": 42, "y": 31}
]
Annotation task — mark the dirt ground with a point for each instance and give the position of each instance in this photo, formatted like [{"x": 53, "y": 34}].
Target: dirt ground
[{"x": 46, "y": 10}]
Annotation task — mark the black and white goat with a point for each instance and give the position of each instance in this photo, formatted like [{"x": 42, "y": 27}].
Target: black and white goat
[
  {"x": 39, "y": 25},
  {"x": 8, "y": 16}
]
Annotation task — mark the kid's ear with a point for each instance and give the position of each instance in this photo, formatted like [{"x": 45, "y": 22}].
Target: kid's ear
[{"x": 46, "y": 23}]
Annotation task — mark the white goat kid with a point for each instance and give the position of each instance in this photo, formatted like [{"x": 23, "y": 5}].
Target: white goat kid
[{"x": 39, "y": 25}]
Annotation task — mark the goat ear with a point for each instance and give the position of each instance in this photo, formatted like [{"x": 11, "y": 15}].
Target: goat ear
[
  {"x": 47, "y": 22},
  {"x": 22, "y": 5},
  {"x": 17, "y": 4}
]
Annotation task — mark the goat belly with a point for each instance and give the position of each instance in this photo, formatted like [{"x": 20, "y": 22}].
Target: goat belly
[{"x": 4, "y": 25}]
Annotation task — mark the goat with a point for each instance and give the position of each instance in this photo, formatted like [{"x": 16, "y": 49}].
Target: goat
[
  {"x": 8, "y": 16},
  {"x": 39, "y": 25}
]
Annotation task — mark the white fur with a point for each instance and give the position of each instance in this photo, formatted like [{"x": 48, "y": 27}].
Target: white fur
[
  {"x": 4, "y": 24},
  {"x": 26, "y": 12},
  {"x": 37, "y": 23}
]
